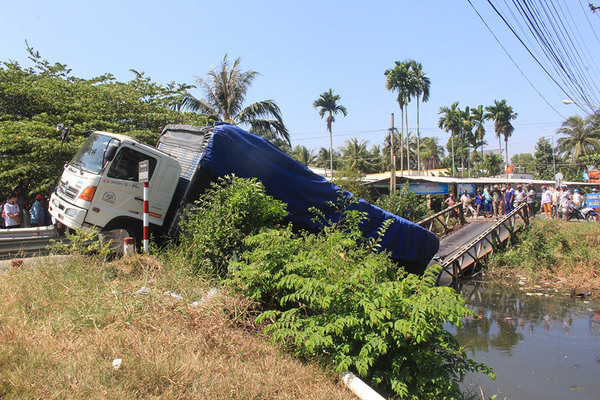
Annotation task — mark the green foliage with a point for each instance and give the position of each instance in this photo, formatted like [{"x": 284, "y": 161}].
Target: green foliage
[
  {"x": 34, "y": 100},
  {"x": 350, "y": 179},
  {"x": 82, "y": 243},
  {"x": 232, "y": 209},
  {"x": 331, "y": 294},
  {"x": 405, "y": 204}
]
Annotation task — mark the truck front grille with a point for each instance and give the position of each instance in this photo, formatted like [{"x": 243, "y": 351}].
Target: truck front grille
[{"x": 67, "y": 191}]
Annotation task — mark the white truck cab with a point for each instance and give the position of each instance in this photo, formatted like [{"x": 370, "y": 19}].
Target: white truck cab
[{"x": 99, "y": 187}]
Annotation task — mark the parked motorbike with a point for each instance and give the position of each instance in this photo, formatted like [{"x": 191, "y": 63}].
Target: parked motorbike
[
  {"x": 575, "y": 213},
  {"x": 589, "y": 214}
]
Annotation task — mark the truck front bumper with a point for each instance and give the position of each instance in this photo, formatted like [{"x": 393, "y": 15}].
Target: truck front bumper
[{"x": 71, "y": 216}]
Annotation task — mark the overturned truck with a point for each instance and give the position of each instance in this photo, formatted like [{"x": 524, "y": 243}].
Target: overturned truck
[{"x": 99, "y": 188}]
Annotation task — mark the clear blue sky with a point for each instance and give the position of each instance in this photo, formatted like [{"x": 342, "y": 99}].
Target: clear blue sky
[{"x": 301, "y": 49}]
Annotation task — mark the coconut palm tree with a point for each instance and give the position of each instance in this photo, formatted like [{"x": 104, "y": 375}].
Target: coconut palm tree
[
  {"x": 356, "y": 156},
  {"x": 501, "y": 113},
  {"x": 432, "y": 152},
  {"x": 421, "y": 91},
  {"x": 398, "y": 80},
  {"x": 478, "y": 119},
  {"x": 304, "y": 155},
  {"x": 450, "y": 121},
  {"x": 327, "y": 103},
  {"x": 225, "y": 90},
  {"x": 582, "y": 138}
]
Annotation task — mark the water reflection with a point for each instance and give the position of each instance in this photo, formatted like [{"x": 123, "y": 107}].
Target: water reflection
[{"x": 541, "y": 344}]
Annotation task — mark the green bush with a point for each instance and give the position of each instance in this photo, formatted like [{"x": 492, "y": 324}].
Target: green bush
[
  {"x": 405, "y": 204},
  {"x": 331, "y": 294},
  {"x": 211, "y": 235}
]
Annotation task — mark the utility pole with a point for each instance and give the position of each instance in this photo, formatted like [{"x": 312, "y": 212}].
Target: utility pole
[{"x": 393, "y": 156}]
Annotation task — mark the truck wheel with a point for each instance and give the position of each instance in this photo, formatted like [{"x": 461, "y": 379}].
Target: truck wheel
[{"x": 128, "y": 229}]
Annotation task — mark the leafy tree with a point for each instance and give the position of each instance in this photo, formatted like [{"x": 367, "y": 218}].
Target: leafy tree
[
  {"x": 543, "y": 159},
  {"x": 225, "y": 91},
  {"x": 331, "y": 296},
  {"x": 502, "y": 114},
  {"x": 582, "y": 138},
  {"x": 524, "y": 162},
  {"x": 399, "y": 80},
  {"x": 405, "y": 204},
  {"x": 34, "y": 100},
  {"x": 233, "y": 208},
  {"x": 327, "y": 103},
  {"x": 351, "y": 180}
]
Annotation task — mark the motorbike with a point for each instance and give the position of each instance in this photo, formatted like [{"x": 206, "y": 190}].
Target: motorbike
[
  {"x": 589, "y": 214},
  {"x": 574, "y": 213}
]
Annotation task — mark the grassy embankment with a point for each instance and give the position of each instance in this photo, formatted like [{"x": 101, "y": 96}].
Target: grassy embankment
[
  {"x": 557, "y": 254},
  {"x": 63, "y": 324}
]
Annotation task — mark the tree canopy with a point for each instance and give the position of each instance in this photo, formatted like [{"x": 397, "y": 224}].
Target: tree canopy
[{"x": 34, "y": 100}]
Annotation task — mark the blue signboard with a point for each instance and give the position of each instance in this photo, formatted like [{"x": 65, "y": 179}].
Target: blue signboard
[
  {"x": 429, "y": 188},
  {"x": 593, "y": 200}
]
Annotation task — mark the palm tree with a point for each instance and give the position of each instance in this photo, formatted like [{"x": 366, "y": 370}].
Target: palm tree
[
  {"x": 327, "y": 104},
  {"x": 304, "y": 155},
  {"x": 582, "y": 138},
  {"x": 450, "y": 121},
  {"x": 421, "y": 91},
  {"x": 398, "y": 80},
  {"x": 432, "y": 152},
  {"x": 478, "y": 119},
  {"x": 501, "y": 113},
  {"x": 225, "y": 90},
  {"x": 356, "y": 156}
]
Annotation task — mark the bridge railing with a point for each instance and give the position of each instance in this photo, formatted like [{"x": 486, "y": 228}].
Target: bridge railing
[
  {"x": 484, "y": 244},
  {"x": 443, "y": 217}
]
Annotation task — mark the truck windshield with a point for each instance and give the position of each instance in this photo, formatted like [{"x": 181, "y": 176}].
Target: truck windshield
[{"x": 90, "y": 156}]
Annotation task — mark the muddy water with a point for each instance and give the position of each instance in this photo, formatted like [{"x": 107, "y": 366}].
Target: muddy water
[{"x": 541, "y": 344}]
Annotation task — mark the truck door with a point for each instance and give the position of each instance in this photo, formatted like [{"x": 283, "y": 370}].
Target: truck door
[{"x": 119, "y": 192}]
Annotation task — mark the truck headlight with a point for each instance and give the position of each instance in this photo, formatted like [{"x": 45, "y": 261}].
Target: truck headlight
[{"x": 71, "y": 212}]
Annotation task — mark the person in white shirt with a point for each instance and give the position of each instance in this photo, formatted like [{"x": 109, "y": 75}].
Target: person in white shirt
[
  {"x": 577, "y": 198},
  {"x": 465, "y": 199},
  {"x": 11, "y": 212},
  {"x": 547, "y": 202}
]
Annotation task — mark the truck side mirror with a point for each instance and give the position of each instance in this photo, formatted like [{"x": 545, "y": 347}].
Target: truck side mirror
[{"x": 111, "y": 150}]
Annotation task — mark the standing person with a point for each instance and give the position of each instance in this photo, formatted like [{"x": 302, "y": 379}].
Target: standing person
[
  {"x": 38, "y": 211},
  {"x": 487, "y": 201},
  {"x": 11, "y": 212},
  {"x": 23, "y": 217},
  {"x": 451, "y": 201},
  {"x": 479, "y": 203},
  {"x": 503, "y": 201},
  {"x": 509, "y": 198},
  {"x": 496, "y": 196},
  {"x": 465, "y": 199},
  {"x": 554, "y": 195},
  {"x": 565, "y": 199},
  {"x": 2, "y": 201},
  {"x": 547, "y": 202},
  {"x": 530, "y": 200}
]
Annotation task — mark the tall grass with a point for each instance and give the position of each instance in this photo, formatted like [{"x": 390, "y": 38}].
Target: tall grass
[{"x": 63, "y": 324}]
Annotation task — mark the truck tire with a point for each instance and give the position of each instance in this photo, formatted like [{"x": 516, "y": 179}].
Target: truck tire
[{"x": 130, "y": 228}]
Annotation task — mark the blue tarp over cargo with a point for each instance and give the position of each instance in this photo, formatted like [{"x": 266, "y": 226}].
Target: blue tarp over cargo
[{"x": 232, "y": 150}]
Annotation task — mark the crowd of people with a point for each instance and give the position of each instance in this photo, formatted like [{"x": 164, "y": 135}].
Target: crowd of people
[
  {"x": 18, "y": 212},
  {"x": 498, "y": 200}
]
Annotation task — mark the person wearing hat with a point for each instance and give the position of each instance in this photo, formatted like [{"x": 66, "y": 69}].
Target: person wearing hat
[
  {"x": 38, "y": 211},
  {"x": 577, "y": 198}
]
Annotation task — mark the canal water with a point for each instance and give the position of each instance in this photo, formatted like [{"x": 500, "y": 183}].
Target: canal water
[{"x": 542, "y": 344}]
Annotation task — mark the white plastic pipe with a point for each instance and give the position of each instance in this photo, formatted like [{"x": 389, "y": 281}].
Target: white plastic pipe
[{"x": 359, "y": 388}]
